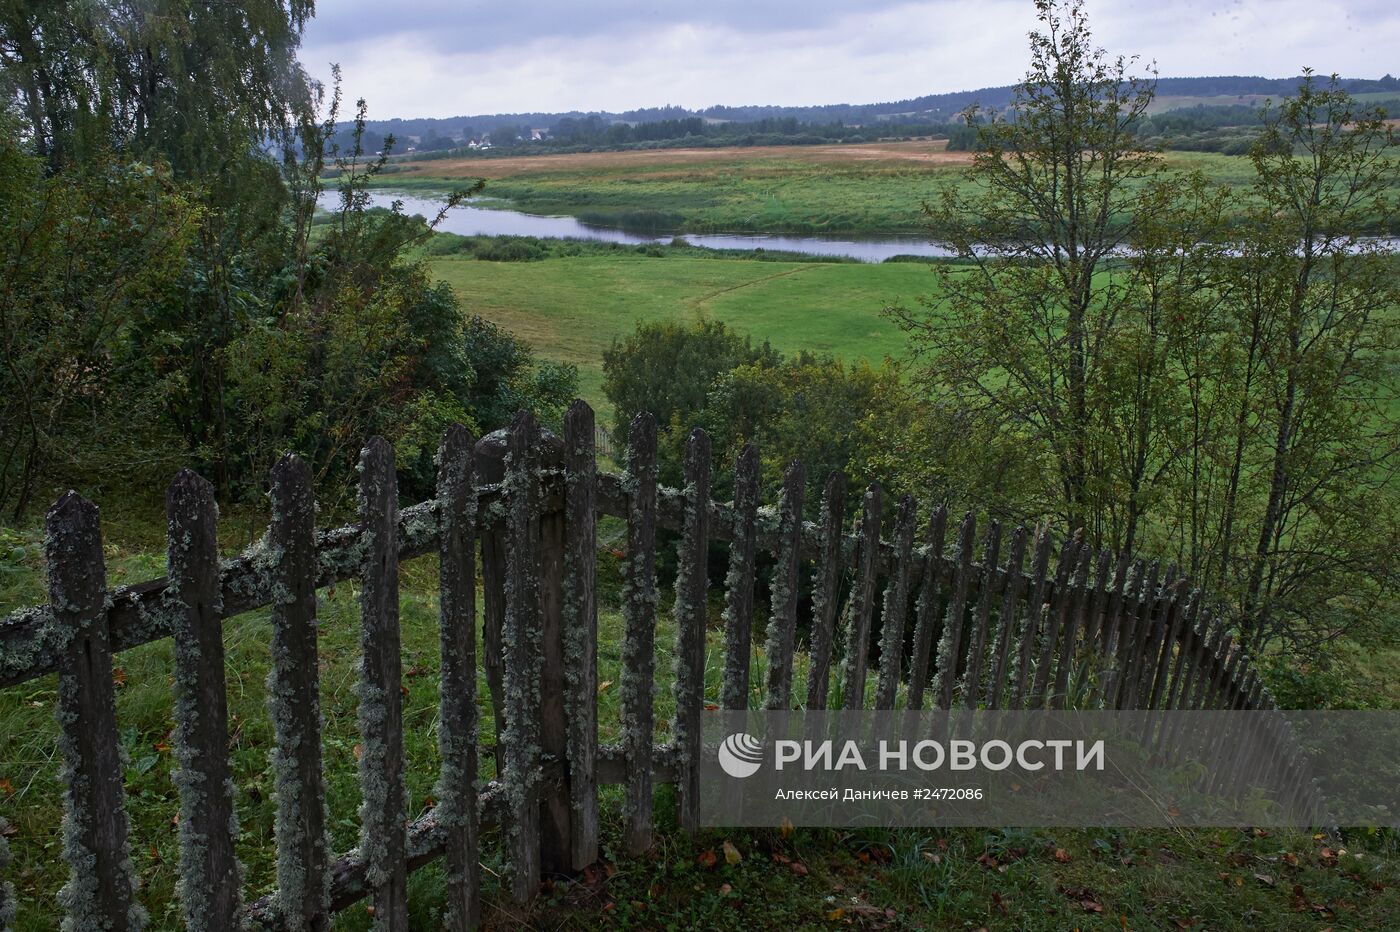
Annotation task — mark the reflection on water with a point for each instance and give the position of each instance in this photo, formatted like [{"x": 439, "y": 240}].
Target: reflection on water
[{"x": 480, "y": 221}]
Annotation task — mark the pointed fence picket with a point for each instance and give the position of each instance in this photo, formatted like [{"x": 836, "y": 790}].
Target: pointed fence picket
[{"x": 1089, "y": 630}]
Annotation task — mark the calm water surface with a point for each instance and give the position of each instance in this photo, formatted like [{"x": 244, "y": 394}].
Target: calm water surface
[{"x": 483, "y": 221}]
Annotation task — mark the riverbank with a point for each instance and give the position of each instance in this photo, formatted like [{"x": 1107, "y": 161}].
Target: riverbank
[{"x": 855, "y": 190}]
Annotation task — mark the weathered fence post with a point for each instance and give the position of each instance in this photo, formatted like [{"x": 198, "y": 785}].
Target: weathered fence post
[
  {"x": 581, "y": 627},
  {"x": 1035, "y": 608},
  {"x": 383, "y": 818},
  {"x": 7, "y": 889},
  {"x": 523, "y": 568},
  {"x": 927, "y": 611},
  {"x": 1055, "y": 618},
  {"x": 896, "y": 605},
  {"x": 950, "y": 645},
  {"x": 782, "y": 624},
  {"x": 862, "y": 606},
  {"x": 639, "y": 639},
  {"x": 1110, "y": 634},
  {"x": 209, "y": 870},
  {"x": 692, "y": 585},
  {"x": 557, "y": 801},
  {"x": 100, "y": 893},
  {"x": 1006, "y": 619},
  {"x": 972, "y": 678},
  {"x": 826, "y": 599},
  {"x": 1077, "y": 604},
  {"x": 294, "y": 701},
  {"x": 522, "y": 649},
  {"x": 457, "y": 731},
  {"x": 738, "y": 595}
]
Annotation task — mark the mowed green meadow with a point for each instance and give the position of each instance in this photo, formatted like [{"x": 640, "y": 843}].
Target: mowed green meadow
[{"x": 572, "y": 309}]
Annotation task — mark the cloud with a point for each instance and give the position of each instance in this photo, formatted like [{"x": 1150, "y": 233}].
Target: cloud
[{"x": 436, "y": 58}]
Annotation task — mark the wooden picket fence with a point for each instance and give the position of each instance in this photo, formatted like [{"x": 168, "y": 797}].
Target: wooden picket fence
[{"x": 957, "y": 626}]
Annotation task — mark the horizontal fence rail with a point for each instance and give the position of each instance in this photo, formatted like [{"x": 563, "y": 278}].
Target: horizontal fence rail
[{"x": 949, "y": 615}]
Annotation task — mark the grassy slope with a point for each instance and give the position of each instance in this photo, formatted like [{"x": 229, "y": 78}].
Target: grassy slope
[
  {"x": 571, "y": 309},
  {"x": 910, "y": 879}
]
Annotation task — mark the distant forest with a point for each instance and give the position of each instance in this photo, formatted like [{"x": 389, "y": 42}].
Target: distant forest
[{"x": 1218, "y": 125}]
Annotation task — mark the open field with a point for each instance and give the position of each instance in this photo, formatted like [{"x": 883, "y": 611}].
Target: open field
[
  {"x": 570, "y": 310},
  {"x": 906, "y": 879},
  {"x": 855, "y": 189},
  {"x": 919, "y": 152},
  {"x": 858, "y": 188}
]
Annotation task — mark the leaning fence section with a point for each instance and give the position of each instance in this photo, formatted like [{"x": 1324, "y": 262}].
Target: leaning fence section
[{"x": 944, "y": 613}]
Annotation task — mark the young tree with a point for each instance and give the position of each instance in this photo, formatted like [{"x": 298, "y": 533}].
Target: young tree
[
  {"x": 1316, "y": 306},
  {"x": 1056, "y": 190},
  {"x": 1199, "y": 373}
]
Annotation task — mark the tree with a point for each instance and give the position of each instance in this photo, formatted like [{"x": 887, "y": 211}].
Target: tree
[
  {"x": 1055, "y": 191},
  {"x": 1317, "y": 304},
  {"x": 1203, "y": 374},
  {"x": 199, "y": 85},
  {"x": 667, "y": 368},
  {"x": 68, "y": 311}
]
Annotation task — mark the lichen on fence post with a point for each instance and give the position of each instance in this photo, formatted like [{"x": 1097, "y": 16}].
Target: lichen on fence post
[
  {"x": 7, "y": 889},
  {"x": 294, "y": 703},
  {"x": 1035, "y": 610},
  {"x": 782, "y": 622},
  {"x": 581, "y": 627},
  {"x": 383, "y": 804},
  {"x": 950, "y": 645},
  {"x": 862, "y": 608},
  {"x": 692, "y": 586},
  {"x": 738, "y": 594},
  {"x": 100, "y": 892},
  {"x": 1006, "y": 618},
  {"x": 1055, "y": 618},
  {"x": 1137, "y": 618},
  {"x": 456, "y": 807},
  {"x": 826, "y": 595},
  {"x": 927, "y": 610},
  {"x": 1171, "y": 634},
  {"x": 521, "y": 645},
  {"x": 1076, "y": 602},
  {"x": 209, "y": 869},
  {"x": 972, "y": 678},
  {"x": 896, "y": 606},
  {"x": 1116, "y": 627},
  {"x": 639, "y": 637}
]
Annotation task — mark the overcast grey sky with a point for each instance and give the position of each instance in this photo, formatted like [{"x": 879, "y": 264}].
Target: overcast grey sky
[{"x": 449, "y": 57}]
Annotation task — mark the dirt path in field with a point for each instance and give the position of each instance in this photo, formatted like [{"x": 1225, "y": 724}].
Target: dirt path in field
[
  {"x": 921, "y": 152},
  {"x": 701, "y": 300}
]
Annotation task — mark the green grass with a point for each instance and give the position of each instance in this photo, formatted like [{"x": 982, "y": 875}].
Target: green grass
[
  {"x": 905, "y": 879},
  {"x": 570, "y": 310},
  {"x": 796, "y": 191}
]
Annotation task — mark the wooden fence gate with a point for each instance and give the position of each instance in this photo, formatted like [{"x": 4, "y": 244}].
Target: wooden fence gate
[{"x": 990, "y": 632}]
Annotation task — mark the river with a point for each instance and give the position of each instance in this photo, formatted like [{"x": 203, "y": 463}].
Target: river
[{"x": 469, "y": 220}]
